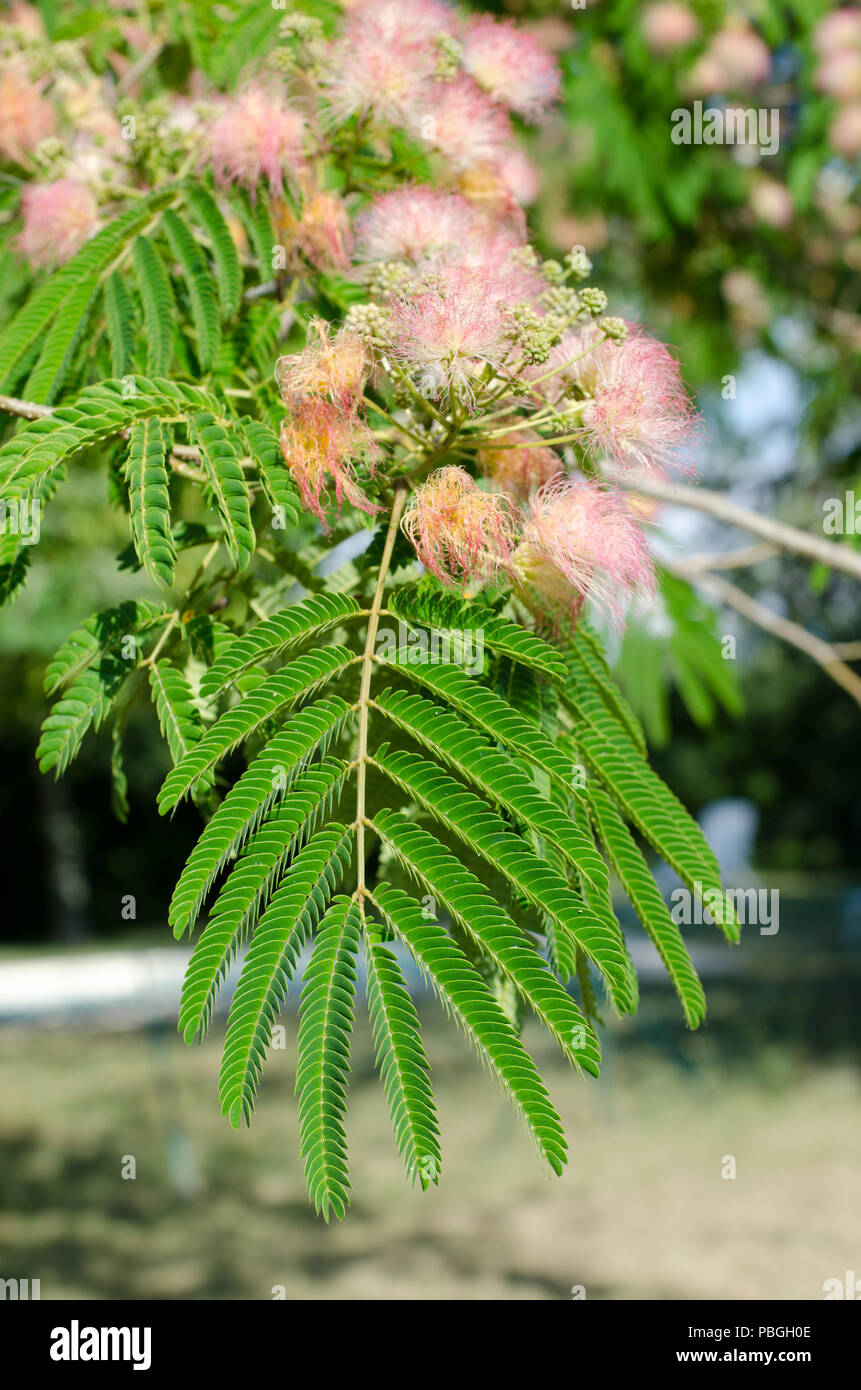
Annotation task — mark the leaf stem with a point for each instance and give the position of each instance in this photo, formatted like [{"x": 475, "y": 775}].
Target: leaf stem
[{"x": 401, "y": 493}]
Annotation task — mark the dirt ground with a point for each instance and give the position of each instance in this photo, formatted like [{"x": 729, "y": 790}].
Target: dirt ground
[{"x": 642, "y": 1212}]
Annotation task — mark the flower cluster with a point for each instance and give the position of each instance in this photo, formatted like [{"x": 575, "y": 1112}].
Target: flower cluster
[
  {"x": 491, "y": 384},
  {"x": 569, "y": 541},
  {"x": 323, "y": 436}
]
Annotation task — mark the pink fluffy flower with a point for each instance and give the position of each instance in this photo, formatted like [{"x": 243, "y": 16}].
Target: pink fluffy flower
[
  {"x": 511, "y": 65},
  {"x": 321, "y": 444},
  {"x": 386, "y": 51},
  {"x": 460, "y": 533},
  {"x": 418, "y": 224},
  {"x": 845, "y": 131},
  {"x": 59, "y": 218},
  {"x": 581, "y": 541},
  {"x": 520, "y": 176},
  {"x": 519, "y": 464},
  {"x": 26, "y": 117},
  {"x": 639, "y": 413},
  {"x": 446, "y": 333},
  {"x": 772, "y": 202},
  {"x": 424, "y": 20},
  {"x": 838, "y": 30},
  {"x": 333, "y": 366},
  {"x": 257, "y": 136},
  {"x": 323, "y": 233},
  {"x": 744, "y": 58},
  {"x": 461, "y": 121},
  {"x": 637, "y": 409},
  {"x": 668, "y": 26},
  {"x": 839, "y": 74}
]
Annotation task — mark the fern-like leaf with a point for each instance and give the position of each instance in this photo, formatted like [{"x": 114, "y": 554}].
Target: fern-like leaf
[
  {"x": 325, "y": 1023},
  {"x": 224, "y": 254},
  {"x": 468, "y": 817},
  {"x": 220, "y": 458},
  {"x": 403, "y": 1066},
  {"x": 248, "y": 889},
  {"x": 649, "y": 905},
  {"x": 462, "y": 990},
  {"x": 149, "y": 500},
  {"x": 159, "y": 305},
  {"x": 272, "y": 772},
  {"x": 308, "y": 619},
  {"x": 466, "y": 901},
  {"x": 198, "y": 282},
  {"x": 265, "y": 701}
]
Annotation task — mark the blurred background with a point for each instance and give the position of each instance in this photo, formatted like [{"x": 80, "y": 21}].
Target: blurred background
[{"x": 748, "y": 265}]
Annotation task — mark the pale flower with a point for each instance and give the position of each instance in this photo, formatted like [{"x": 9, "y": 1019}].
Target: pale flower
[
  {"x": 59, "y": 218},
  {"x": 511, "y": 65},
  {"x": 257, "y": 136},
  {"x": 460, "y": 533},
  {"x": 580, "y": 541}
]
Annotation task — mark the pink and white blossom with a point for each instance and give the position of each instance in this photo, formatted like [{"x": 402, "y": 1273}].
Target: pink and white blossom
[
  {"x": 460, "y": 532},
  {"x": 321, "y": 444},
  {"x": 668, "y": 26},
  {"x": 59, "y": 218},
  {"x": 837, "y": 31},
  {"x": 511, "y": 65},
  {"x": 257, "y": 136},
  {"x": 519, "y": 464},
  {"x": 419, "y": 224},
  {"x": 581, "y": 541},
  {"x": 446, "y": 333},
  {"x": 26, "y": 116},
  {"x": 331, "y": 365},
  {"x": 636, "y": 408},
  {"x": 461, "y": 121}
]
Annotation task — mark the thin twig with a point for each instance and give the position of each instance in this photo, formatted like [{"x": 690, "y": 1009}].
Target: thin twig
[
  {"x": 797, "y": 636},
  {"x": 742, "y": 558},
  {"x": 398, "y": 504},
  {"x": 830, "y": 553}
]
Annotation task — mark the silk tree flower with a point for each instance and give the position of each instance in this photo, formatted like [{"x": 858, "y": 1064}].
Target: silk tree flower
[
  {"x": 27, "y": 20},
  {"x": 741, "y": 56},
  {"x": 520, "y": 176},
  {"x": 580, "y": 541},
  {"x": 845, "y": 131},
  {"x": 257, "y": 136},
  {"x": 512, "y": 66},
  {"x": 636, "y": 407},
  {"x": 837, "y": 31},
  {"x": 331, "y": 366},
  {"x": 59, "y": 218},
  {"x": 323, "y": 232},
  {"x": 424, "y": 20},
  {"x": 668, "y": 26},
  {"x": 26, "y": 116},
  {"x": 321, "y": 444},
  {"x": 519, "y": 464},
  {"x": 639, "y": 413},
  {"x": 460, "y": 533},
  {"x": 446, "y": 333},
  {"x": 772, "y": 202},
  {"x": 461, "y": 121},
  {"x": 420, "y": 225},
  {"x": 839, "y": 74},
  {"x": 386, "y": 51}
]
